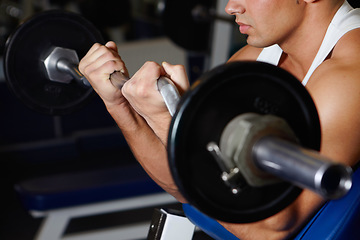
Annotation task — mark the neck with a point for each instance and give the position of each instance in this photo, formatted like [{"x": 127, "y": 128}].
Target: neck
[{"x": 302, "y": 46}]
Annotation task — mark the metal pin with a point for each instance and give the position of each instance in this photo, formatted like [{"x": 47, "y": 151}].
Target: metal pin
[{"x": 224, "y": 163}]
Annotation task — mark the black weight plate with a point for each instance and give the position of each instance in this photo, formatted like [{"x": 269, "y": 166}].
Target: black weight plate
[
  {"x": 180, "y": 26},
  {"x": 27, "y": 48},
  {"x": 204, "y": 111}
]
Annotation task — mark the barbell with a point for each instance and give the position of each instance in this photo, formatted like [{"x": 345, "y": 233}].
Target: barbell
[
  {"x": 189, "y": 23},
  {"x": 47, "y": 47},
  {"x": 243, "y": 139}
]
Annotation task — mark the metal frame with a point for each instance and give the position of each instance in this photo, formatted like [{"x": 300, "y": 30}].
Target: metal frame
[{"x": 57, "y": 220}]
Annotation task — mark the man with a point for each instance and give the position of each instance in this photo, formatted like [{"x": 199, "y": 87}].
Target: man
[{"x": 287, "y": 33}]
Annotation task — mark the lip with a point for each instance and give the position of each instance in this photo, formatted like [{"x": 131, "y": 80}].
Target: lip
[{"x": 244, "y": 28}]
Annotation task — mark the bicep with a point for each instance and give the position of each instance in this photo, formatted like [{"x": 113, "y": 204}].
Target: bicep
[{"x": 337, "y": 98}]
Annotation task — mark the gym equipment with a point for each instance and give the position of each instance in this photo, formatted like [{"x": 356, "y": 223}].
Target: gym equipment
[
  {"x": 238, "y": 126},
  {"x": 188, "y": 24},
  {"x": 60, "y": 198},
  {"x": 336, "y": 220},
  {"x": 259, "y": 115},
  {"x": 28, "y": 47},
  {"x": 48, "y": 47},
  {"x": 354, "y": 3}
]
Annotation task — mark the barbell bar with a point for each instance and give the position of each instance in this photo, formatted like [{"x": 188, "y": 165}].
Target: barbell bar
[
  {"x": 223, "y": 168},
  {"x": 262, "y": 138},
  {"x": 269, "y": 153}
]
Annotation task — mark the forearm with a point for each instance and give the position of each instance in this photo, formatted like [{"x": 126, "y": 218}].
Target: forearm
[
  {"x": 160, "y": 126},
  {"x": 147, "y": 148}
]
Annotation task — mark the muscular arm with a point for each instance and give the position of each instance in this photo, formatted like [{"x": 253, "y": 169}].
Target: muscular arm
[
  {"x": 146, "y": 146},
  {"x": 335, "y": 88},
  {"x": 339, "y": 143},
  {"x": 288, "y": 221}
]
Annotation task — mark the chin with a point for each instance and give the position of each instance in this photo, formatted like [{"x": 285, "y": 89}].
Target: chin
[{"x": 258, "y": 43}]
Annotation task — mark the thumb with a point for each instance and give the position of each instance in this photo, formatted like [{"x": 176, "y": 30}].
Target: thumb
[{"x": 177, "y": 74}]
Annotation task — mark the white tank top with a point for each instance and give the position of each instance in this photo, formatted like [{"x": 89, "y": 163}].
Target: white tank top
[{"x": 345, "y": 20}]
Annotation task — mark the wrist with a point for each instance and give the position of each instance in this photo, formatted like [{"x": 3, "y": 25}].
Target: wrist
[
  {"x": 161, "y": 126},
  {"x": 126, "y": 117}
]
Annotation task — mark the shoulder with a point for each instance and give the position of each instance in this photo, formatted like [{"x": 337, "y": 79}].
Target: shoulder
[
  {"x": 247, "y": 53},
  {"x": 341, "y": 70},
  {"x": 342, "y": 67}
]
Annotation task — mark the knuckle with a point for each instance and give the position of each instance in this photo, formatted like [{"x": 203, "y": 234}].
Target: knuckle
[
  {"x": 141, "y": 92},
  {"x": 152, "y": 68},
  {"x": 179, "y": 67},
  {"x": 107, "y": 54},
  {"x": 135, "y": 89},
  {"x": 97, "y": 45},
  {"x": 81, "y": 66},
  {"x": 113, "y": 65},
  {"x": 84, "y": 69},
  {"x": 110, "y": 64},
  {"x": 124, "y": 88},
  {"x": 94, "y": 47},
  {"x": 152, "y": 65}
]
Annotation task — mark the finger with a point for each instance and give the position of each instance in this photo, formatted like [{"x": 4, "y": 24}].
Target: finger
[
  {"x": 99, "y": 55},
  {"x": 93, "y": 48},
  {"x": 86, "y": 60},
  {"x": 112, "y": 45},
  {"x": 106, "y": 67},
  {"x": 145, "y": 78},
  {"x": 177, "y": 74},
  {"x": 143, "y": 82},
  {"x": 110, "y": 60}
]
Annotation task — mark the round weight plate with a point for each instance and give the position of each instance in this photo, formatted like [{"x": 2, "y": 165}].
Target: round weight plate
[
  {"x": 27, "y": 48},
  {"x": 205, "y": 110},
  {"x": 181, "y": 27}
]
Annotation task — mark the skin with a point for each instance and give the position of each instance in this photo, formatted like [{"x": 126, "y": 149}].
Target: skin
[{"x": 144, "y": 120}]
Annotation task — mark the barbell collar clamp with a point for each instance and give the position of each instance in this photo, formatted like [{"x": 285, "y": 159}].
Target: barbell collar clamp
[
  {"x": 224, "y": 162},
  {"x": 239, "y": 136},
  {"x": 263, "y": 146},
  {"x": 230, "y": 175}
]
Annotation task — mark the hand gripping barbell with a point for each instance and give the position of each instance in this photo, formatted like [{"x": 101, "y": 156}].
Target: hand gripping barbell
[
  {"x": 48, "y": 47},
  {"x": 239, "y": 140},
  {"x": 62, "y": 66}
]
